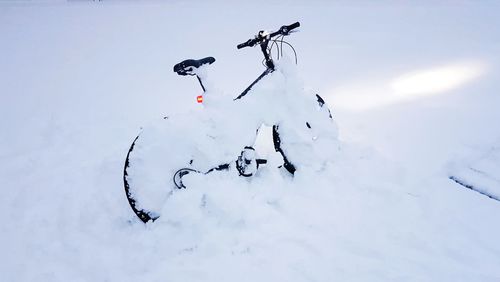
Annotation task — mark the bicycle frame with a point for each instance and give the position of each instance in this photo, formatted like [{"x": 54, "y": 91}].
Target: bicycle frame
[
  {"x": 164, "y": 154},
  {"x": 270, "y": 68}
]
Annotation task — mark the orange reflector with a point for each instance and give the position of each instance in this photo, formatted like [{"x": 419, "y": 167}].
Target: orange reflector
[{"x": 199, "y": 99}]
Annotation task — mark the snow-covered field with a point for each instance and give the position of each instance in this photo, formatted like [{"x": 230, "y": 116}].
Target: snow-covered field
[{"x": 413, "y": 89}]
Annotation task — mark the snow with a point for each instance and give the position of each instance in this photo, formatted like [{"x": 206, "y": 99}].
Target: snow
[
  {"x": 78, "y": 79},
  {"x": 480, "y": 172}
]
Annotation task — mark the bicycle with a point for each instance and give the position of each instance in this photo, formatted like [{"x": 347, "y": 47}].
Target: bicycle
[{"x": 166, "y": 152}]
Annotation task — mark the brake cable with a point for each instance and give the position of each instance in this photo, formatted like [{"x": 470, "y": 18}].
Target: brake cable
[
  {"x": 293, "y": 49},
  {"x": 281, "y": 41},
  {"x": 278, "y": 41}
]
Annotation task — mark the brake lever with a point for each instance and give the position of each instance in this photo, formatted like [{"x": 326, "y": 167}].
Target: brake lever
[{"x": 284, "y": 31}]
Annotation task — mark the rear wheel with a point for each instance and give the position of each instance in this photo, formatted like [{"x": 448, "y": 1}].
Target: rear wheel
[
  {"x": 143, "y": 214},
  {"x": 148, "y": 174}
]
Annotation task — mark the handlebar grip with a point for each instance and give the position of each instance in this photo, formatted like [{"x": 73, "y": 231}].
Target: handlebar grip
[
  {"x": 293, "y": 26},
  {"x": 245, "y": 44},
  {"x": 285, "y": 30}
]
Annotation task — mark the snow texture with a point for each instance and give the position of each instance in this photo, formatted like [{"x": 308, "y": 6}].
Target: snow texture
[
  {"x": 78, "y": 79},
  {"x": 206, "y": 138},
  {"x": 480, "y": 173}
]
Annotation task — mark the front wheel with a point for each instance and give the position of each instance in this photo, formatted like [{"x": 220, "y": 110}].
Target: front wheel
[{"x": 307, "y": 136}]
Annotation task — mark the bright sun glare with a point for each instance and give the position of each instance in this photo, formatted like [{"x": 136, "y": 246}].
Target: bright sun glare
[
  {"x": 409, "y": 86},
  {"x": 436, "y": 80}
]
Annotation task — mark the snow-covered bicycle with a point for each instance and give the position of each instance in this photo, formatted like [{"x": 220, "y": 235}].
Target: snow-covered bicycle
[{"x": 221, "y": 136}]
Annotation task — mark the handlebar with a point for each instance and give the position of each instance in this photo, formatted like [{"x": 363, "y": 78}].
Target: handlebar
[{"x": 284, "y": 30}]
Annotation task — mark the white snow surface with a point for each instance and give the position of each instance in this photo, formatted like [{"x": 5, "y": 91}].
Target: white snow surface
[
  {"x": 79, "y": 79},
  {"x": 480, "y": 171}
]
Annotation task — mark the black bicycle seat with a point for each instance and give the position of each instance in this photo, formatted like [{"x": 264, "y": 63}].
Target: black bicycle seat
[{"x": 187, "y": 67}]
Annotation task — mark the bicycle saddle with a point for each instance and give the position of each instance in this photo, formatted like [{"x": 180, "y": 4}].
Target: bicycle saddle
[{"x": 187, "y": 67}]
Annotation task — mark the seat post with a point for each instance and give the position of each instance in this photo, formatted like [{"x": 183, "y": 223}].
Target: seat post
[{"x": 201, "y": 83}]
